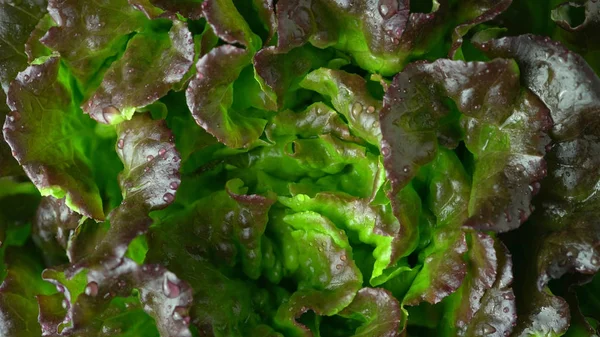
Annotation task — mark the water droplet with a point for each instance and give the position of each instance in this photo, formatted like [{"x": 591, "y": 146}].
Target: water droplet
[
  {"x": 405, "y": 169},
  {"x": 384, "y": 10},
  {"x": 168, "y": 197},
  {"x": 65, "y": 304},
  {"x": 170, "y": 288},
  {"x": 146, "y": 169},
  {"x": 356, "y": 109},
  {"x": 162, "y": 152},
  {"x": 343, "y": 257},
  {"x": 595, "y": 261},
  {"x": 150, "y": 157},
  {"x": 385, "y": 151},
  {"x": 338, "y": 266},
  {"x": 509, "y": 296},
  {"x": 175, "y": 159},
  {"x": 174, "y": 185},
  {"x": 121, "y": 143},
  {"x": 506, "y": 310},
  {"x": 26, "y": 77},
  {"x": 91, "y": 289},
  {"x": 487, "y": 329},
  {"x": 370, "y": 109},
  {"x": 60, "y": 288}
]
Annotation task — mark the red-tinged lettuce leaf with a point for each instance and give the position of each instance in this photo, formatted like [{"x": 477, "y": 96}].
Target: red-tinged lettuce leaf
[
  {"x": 34, "y": 48},
  {"x": 497, "y": 314},
  {"x": 351, "y": 98},
  {"x": 18, "y": 21},
  {"x": 565, "y": 226},
  {"x": 375, "y": 225},
  {"x": 379, "y": 312},
  {"x": 266, "y": 12},
  {"x": 54, "y": 222},
  {"x": 473, "y": 13},
  {"x": 215, "y": 234},
  {"x": 148, "y": 182},
  {"x": 22, "y": 282},
  {"x": 46, "y": 132},
  {"x": 443, "y": 270},
  {"x": 497, "y": 118},
  {"x": 282, "y": 72},
  {"x": 152, "y": 64},
  {"x": 540, "y": 313},
  {"x": 90, "y": 293},
  {"x": 89, "y": 33},
  {"x": 229, "y": 25},
  {"x": 191, "y": 9},
  {"x": 579, "y": 36},
  {"x": 380, "y": 35},
  {"x": 328, "y": 278},
  {"x": 317, "y": 119},
  {"x": 210, "y": 96}
]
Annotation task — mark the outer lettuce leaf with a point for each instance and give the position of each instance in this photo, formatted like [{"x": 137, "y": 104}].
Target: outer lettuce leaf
[
  {"x": 90, "y": 33},
  {"x": 282, "y": 72},
  {"x": 497, "y": 122},
  {"x": 473, "y": 13},
  {"x": 152, "y": 64},
  {"x": 90, "y": 292},
  {"x": 579, "y": 38},
  {"x": 379, "y": 311},
  {"x": 229, "y": 25},
  {"x": 18, "y": 22},
  {"x": 443, "y": 269},
  {"x": 564, "y": 225},
  {"x": 350, "y": 97},
  {"x": 44, "y": 131},
  {"x": 225, "y": 228},
  {"x": 210, "y": 96},
  {"x": 148, "y": 182},
  {"x": 380, "y": 36},
  {"x": 54, "y": 223}
]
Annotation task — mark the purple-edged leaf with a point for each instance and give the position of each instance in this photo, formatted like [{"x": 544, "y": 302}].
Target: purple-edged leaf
[
  {"x": 152, "y": 64},
  {"x": 378, "y": 310},
  {"x": 567, "y": 227},
  {"x": 443, "y": 270},
  {"x": 473, "y": 13},
  {"x": 18, "y": 21},
  {"x": 497, "y": 120},
  {"x": 579, "y": 36},
  {"x": 497, "y": 313},
  {"x": 225, "y": 228},
  {"x": 380, "y": 35},
  {"x": 90, "y": 293},
  {"x": 282, "y": 72},
  {"x": 34, "y": 48},
  {"x": 229, "y": 25},
  {"x": 148, "y": 182},
  {"x": 266, "y": 12},
  {"x": 317, "y": 119},
  {"x": 90, "y": 32},
  {"x": 542, "y": 314},
  {"x": 210, "y": 96},
  {"x": 52, "y": 227},
  {"x": 350, "y": 97},
  {"x": 482, "y": 268},
  {"x": 40, "y": 129}
]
